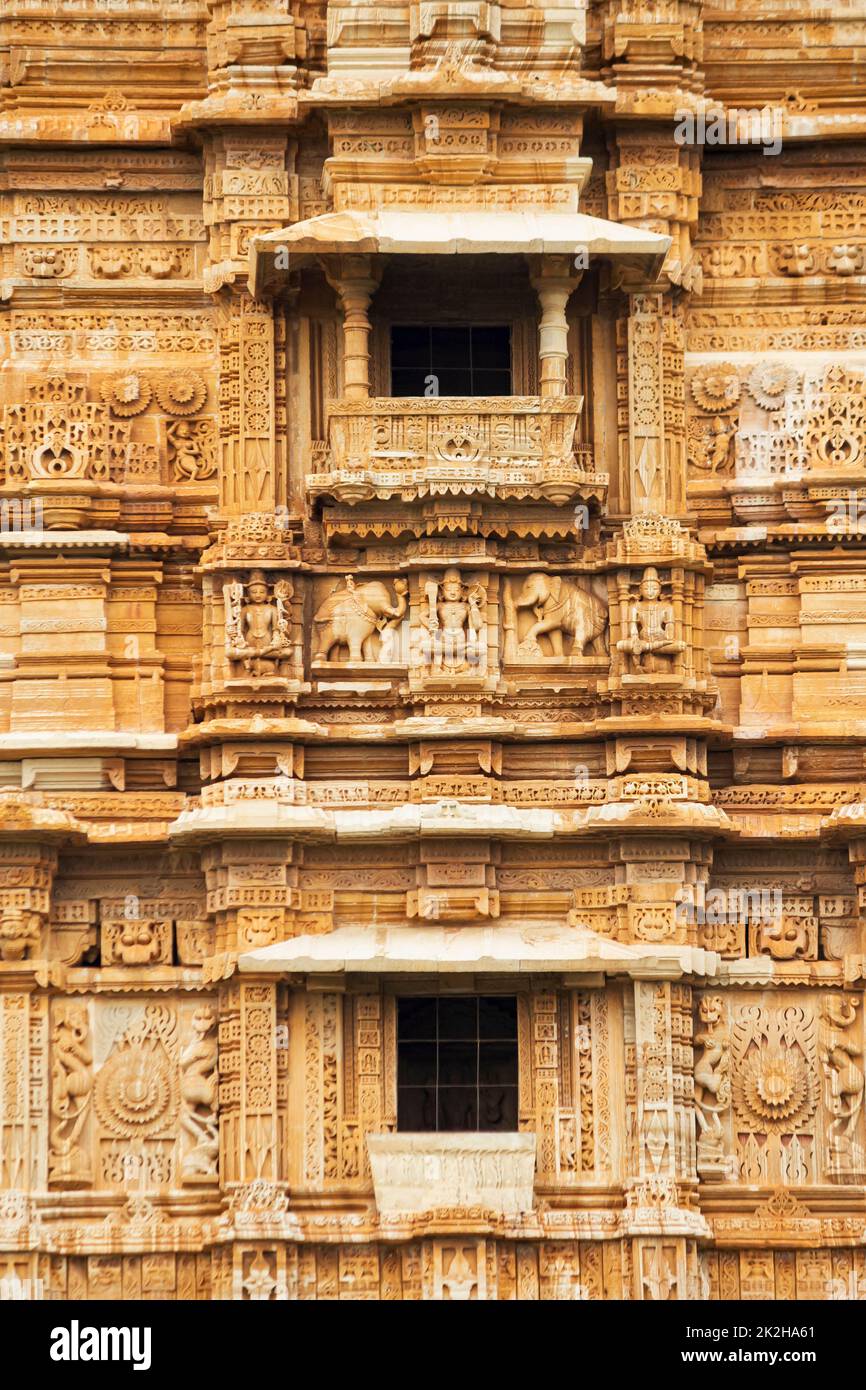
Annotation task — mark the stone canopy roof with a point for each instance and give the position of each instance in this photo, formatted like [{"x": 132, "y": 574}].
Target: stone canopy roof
[{"x": 425, "y": 232}]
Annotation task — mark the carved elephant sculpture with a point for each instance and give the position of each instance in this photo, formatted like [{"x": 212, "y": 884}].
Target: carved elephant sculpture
[
  {"x": 562, "y": 609},
  {"x": 350, "y": 616}
]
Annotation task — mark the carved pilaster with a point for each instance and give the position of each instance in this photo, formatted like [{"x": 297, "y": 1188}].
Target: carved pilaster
[
  {"x": 652, "y": 411},
  {"x": 250, "y": 1144},
  {"x": 248, "y": 356},
  {"x": 23, "y": 1088}
]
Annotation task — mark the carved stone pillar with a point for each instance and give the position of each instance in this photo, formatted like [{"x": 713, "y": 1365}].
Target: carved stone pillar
[
  {"x": 355, "y": 279},
  {"x": 650, "y": 365},
  {"x": 661, "y": 1217},
  {"x": 248, "y": 360},
  {"x": 250, "y": 1146},
  {"x": 23, "y": 1088},
  {"x": 554, "y": 283}
]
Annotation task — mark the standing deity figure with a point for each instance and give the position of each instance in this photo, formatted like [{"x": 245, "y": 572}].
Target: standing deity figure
[
  {"x": 839, "y": 1053},
  {"x": 712, "y": 1085},
  {"x": 651, "y": 627},
  {"x": 258, "y": 632},
  {"x": 199, "y": 1085},
  {"x": 71, "y": 1084},
  {"x": 454, "y": 622}
]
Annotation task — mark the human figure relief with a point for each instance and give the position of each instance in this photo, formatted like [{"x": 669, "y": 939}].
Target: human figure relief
[
  {"x": 844, "y": 1078},
  {"x": 651, "y": 642},
  {"x": 454, "y": 622},
  {"x": 258, "y": 633},
  {"x": 712, "y": 1083},
  {"x": 71, "y": 1084},
  {"x": 187, "y": 452},
  {"x": 351, "y": 616},
  {"x": 199, "y": 1080}
]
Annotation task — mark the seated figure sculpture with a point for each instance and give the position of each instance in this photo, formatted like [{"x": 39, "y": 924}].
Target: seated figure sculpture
[
  {"x": 650, "y": 643},
  {"x": 257, "y": 632}
]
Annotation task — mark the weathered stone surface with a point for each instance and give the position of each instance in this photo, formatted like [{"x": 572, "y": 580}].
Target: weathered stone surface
[
  {"x": 452, "y": 1172},
  {"x": 536, "y": 676}
]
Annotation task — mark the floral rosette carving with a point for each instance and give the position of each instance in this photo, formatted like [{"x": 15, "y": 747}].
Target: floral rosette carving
[
  {"x": 716, "y": 388},
  {"x": 773, "y": 1082},
  {"x": 770, "y": 382},
  {"x": 127, "y": 394},
  {"x": 181, "y": 395},
  {"x": 137, "y": 1090}
]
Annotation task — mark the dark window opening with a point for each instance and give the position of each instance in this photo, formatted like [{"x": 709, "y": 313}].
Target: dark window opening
[
  {"x": 451, "y": 361},
  {"x": 457, "y": 1063}
]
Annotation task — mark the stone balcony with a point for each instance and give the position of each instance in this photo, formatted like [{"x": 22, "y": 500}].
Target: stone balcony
[
  {"x": 416, "y": 1173},
  {"x": 518, "y": 448}
]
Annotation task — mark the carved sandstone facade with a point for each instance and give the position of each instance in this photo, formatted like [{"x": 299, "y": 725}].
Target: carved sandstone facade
[{"x": 432, "y": 587}]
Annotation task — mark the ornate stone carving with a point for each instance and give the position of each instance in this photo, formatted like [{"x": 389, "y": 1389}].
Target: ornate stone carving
[
  {"x": 135, "y": 941},
  {"x": 191, "y": 452},
  {"x": 840, "y": 1050},
  {"x": 71, "y": 1085},
  {"x": 774, "y": 1090},
  {"x": 452, "y": 634},
  {"x": 357, "y": 622},
  {"x": 712, "y": 1086},
  {"x": 561, "y": 611},
  {"x": 19, "y": 933},
  {"x": 257, "y": 630},
  {"x": 554, "y": 691},
  {"x": 651, "y": 645},
  {"x": 198, "y": 1085},
  {"x": 136, "y": 1092},
  {"x": 181, "y": 395},
  {"x": 716, "y": 389},
  {"x": 128, "y": 394}
]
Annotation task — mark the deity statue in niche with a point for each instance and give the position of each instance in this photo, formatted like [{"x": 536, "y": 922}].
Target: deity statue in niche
[
  {"x": 258, "y": 632},
  {"x": 454, "y": 619},
  {"x": 650, "y": 644}
]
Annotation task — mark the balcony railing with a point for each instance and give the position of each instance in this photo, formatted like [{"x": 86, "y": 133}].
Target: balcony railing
[
  {"x": 504, "y": 446},
  {"x": 416, "y": 1173}
]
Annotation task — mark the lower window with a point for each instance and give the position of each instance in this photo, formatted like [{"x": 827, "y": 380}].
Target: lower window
[{"x": 457, "y": 1063}]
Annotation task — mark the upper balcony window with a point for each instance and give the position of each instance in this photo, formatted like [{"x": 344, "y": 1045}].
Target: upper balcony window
[
  {"x": 451, "y": 360},
  {"x": 457, "y": 1063}
]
